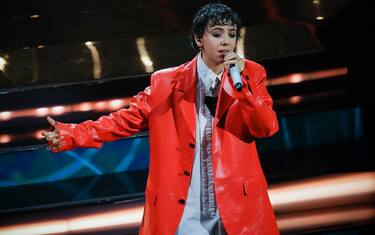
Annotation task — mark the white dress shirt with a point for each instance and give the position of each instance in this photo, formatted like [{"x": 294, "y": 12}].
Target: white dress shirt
[{"x": 192, "y": 221}]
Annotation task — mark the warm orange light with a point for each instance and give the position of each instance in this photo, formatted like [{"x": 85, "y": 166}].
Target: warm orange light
[
  {"x": 300, "y": 205},
  {"x": 124, "y": 218},
  {"x": 296, "y": 78},
  {"x": 5, "y": 139},
  {"x": 38, "y": 134},
  {"x": 104, "y": 105},
  {"x": 295, "y": 99},
  {"x": 57, "y": 110},
  {"x": 331, "y": 217},
  {"x": 3, "y": 62},
  {"x": 129, "y": 217},
  {"x": 5, "y": 115},
  {"x": 300, "y": 77},
  {"x": 51, "y": 227},
  {"x": 83, "y": 107},
  {"x": 116, "y": 104},
  {"x": 40, "y": 112},
  {"x": 101, "y": 105},
  {"x": 339, "y": 189}
]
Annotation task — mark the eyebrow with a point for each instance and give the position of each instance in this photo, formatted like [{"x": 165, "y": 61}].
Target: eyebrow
[{"x": 220, "y": 27}]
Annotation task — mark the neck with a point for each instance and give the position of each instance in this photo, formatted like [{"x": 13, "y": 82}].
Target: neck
[{"x": 216, "y": 68}]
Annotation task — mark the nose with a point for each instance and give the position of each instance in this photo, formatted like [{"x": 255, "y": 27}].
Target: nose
[{"x": 224, "y": 40}]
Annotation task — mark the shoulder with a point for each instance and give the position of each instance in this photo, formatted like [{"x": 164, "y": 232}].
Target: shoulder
[
  {"x": 254, "y": 71},
  {"x": 168, "y": 73},
  {"x": 250, "y": 64},
  {"x": 163, "y": 81}
]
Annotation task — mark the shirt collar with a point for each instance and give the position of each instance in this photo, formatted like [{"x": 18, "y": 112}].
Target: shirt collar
[{"x": 205, "y": 74}]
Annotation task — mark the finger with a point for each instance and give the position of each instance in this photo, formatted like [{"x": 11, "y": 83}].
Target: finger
[
  {"x": 230, "y": 56},
  {"x": 56, "y": 147},
  {"x": 44, "y": 134},
  {"x": 52, "y": 136},
  {"x": 55, "y": 142},
  {"x": 48, "y": 135},
  {"x": 226, "y": 63},
  {"x": 230, "y": 62},
  {"x": 241, "y": 65},
  {"x": 51, "y": 121}
]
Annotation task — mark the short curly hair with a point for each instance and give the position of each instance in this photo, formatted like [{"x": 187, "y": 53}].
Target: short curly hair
[{"x": 213, "y": 14}]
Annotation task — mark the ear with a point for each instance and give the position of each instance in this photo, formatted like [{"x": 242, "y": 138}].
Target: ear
[{"x": 198, "y": 41}]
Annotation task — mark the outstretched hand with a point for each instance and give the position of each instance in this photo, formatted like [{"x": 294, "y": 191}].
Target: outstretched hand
[{"x": 52, "y": 136}]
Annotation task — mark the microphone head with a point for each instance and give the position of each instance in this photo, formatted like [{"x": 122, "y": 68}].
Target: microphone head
[{"x": 238, "y": 86}]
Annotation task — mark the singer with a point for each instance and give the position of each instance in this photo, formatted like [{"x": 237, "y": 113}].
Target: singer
[{"x": 205, "y": 177}]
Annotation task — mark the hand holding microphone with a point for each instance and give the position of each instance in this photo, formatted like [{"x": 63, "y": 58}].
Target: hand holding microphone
[{"x": 235, "y": 65}]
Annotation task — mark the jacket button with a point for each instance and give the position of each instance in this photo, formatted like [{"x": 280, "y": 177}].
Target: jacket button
[
  {"x": 186, "y": 173},
  {"x": 192, "y": 145},
  {"x": 181, "y": 201}
]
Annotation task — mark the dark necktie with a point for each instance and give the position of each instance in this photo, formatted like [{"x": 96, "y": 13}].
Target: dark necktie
[
  {"x": 211, "y": 104},
  {"x": 210, "y": 100}
]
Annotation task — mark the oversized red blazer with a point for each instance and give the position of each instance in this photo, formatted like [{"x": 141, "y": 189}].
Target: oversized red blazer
[{"x": 167, "y": 109}]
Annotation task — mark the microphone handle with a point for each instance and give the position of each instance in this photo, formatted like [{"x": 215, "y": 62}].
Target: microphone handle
[{"x": 235, "y": 74}]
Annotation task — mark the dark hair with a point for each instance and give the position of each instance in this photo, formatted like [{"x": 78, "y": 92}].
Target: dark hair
[{"x": 213, "y": 14}]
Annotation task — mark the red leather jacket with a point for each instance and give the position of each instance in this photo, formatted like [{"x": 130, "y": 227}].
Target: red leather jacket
[{"x": 167, "y": 109}]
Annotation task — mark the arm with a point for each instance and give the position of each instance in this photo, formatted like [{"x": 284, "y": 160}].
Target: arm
[
  {"x": 116, "y": 125},
  {"x": 256, "y": 103}
]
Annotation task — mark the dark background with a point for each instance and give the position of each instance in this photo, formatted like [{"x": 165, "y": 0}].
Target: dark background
[{"x": 327, "y": 129}]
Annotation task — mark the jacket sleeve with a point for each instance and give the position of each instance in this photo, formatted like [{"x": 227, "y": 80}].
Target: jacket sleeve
[
  {"x": 116, "y": 125},
  {"x": 256, "y": 103}
]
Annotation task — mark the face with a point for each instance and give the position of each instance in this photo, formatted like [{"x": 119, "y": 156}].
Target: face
[{"x": 217, "y": 40}]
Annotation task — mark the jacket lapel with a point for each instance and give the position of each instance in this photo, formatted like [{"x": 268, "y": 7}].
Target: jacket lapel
[
  {"x": 226, "y": 96},
  {"x": 184, "y": 102}
]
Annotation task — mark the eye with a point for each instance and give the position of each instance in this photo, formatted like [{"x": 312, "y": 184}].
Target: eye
[
  {"x": 216, "y": 34},
  {"x": 232, "y": 35}
]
